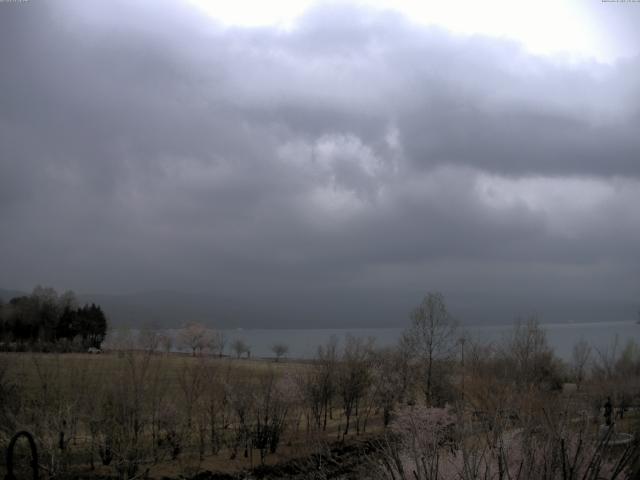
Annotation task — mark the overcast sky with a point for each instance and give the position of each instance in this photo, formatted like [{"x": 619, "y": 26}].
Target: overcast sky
[{"x": 336, "y": 158}]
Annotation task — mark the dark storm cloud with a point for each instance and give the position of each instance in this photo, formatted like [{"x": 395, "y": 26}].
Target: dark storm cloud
[{"x": 144, "y": 146}]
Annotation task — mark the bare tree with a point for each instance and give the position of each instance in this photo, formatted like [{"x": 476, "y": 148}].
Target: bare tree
[
  {"x": 354, "y": 377},
  {"x": 628, "y": 362},
  {"x": 216, "y": 343},
  {"x": 604, "y": 364},
  {"x": 239, "y": 347},
  {"x": 280, "y": 350},
  {"x": 391, "y": 377},
  {"x": 119, "y": 429},
  {"x": 194, "y": 337},
  {"x": 191, "y": 378},
  {"x": 148, "y": 339},
  {"x": 241, "y": 396},
  {"x": 157, "y": 399},
  {"x": 271, "y": 405},
  {"x": 580, "y": 357},
  {"x": 528, "y": 355},
  {"x": 215, "y": 400},
  {"x": 166, "y": 342},
  {"x": 431, "y": 336},
  {"x": 317, "y": 385},
  {"x": 9, "y": 397},
  {"x": 327, "y": 361},
  {"x": 68, "y": 300}
]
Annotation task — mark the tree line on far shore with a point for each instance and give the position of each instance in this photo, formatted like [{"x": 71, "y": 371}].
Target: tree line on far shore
[
  {"x": 47, "y": 321},
  {"x": 195, "y": 338}
]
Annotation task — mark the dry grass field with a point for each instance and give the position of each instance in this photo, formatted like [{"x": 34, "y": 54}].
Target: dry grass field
[{"x": 160, "y": 415}]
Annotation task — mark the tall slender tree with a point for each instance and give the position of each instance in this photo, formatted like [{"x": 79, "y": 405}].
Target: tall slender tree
[{"x": 431, "y": 336}]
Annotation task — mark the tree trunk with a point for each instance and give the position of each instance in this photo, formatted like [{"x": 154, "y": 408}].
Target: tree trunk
[{"x": 429, "y": 370}]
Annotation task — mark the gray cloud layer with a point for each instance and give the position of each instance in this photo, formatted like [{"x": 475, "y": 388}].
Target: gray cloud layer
[{"x": 331, "y": 173}]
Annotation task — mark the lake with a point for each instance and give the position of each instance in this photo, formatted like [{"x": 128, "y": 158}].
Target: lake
[{"x": 562, "y": 337}]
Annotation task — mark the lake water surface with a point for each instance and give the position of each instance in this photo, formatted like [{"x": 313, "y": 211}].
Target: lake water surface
[{"x": 562, "y": 337}]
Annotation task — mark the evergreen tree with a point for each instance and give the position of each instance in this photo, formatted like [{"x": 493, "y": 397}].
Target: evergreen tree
[{"x": 46, "y": 317}]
